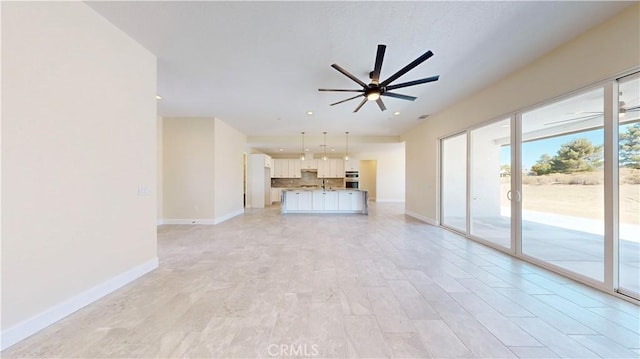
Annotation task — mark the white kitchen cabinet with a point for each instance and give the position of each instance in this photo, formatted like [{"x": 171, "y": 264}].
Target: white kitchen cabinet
[
  {"x": 294, "y": 169},
  {"x": 276, "y": 194},
  {"x": 325, "y": 201},
  {"x": 299, "y": 201},
  {"x": 337, "y": 168},
  {"x": 259, "y": 183},
  {"x": 309, "y": 164},
  {"x": 286, "y": 168},
  {"x": 331, "y": 168},
  {"x": 352, "y": 164},
  {"x": 350, "y": 201},
  {"x": 281, "y": 168},
  {"x": 331, "y": 201}
]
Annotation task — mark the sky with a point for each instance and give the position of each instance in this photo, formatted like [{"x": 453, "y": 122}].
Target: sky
[{"x": 531, "y": 151}]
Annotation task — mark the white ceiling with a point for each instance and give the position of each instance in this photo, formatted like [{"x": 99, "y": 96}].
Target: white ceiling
[{"x": 258, "y": 65}]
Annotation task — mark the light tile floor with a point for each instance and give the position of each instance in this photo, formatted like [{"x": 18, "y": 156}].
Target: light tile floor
[{"x": 383, "y": 285}]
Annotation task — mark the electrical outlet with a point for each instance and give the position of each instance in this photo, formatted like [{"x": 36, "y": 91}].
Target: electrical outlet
[{"x": 143, "y": 191}]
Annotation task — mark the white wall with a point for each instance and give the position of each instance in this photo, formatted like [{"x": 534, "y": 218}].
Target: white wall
[
  {"x": 390, "y": 178},
  {"x": 601, "y": 52},
  {"x": 159, "y": 171},
  {"x": 188, "y": 170},
  {"x": 78, "y": 142},
  {"x": 229, "y": 172}
]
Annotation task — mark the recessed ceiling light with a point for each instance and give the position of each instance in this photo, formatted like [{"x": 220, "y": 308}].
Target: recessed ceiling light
[
  {"x": 333, "y": 150},
  {"x": 396, "y": 113},
  {"x": 306, "y": 150},
  {"x": 282, "y": 149},
  {"x": 309, "y": 113},
  {"x": 158, "y": 97}
]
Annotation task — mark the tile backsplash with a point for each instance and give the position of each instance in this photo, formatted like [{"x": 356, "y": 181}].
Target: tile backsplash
[{"x": 308, "y": 178}]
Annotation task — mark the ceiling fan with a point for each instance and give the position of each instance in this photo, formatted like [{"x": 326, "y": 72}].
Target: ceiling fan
[
  {"x": 375, "y": 89},
  {"x": 623, "y": 110}
]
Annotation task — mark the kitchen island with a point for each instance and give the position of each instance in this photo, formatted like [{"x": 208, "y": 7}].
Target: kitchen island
[{"x": 324, "y": 201}]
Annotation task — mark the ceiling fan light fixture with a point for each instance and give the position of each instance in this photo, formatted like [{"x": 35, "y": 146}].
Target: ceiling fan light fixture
[{"x": 373, "y": 94}]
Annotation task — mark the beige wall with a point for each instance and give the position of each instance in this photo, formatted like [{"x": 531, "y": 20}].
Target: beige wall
[
  {"x": 78, "y": 161},
  {"x": 229, "y": 172},
  {"x": 603, "y": 51},
  {"x": 188, "y": 170},
  {"x": 390, "y": 179},
  {"x": 202, "y": 170},
  {"x": 368, "y": 177},
  {"x": 159, "y": 170}
]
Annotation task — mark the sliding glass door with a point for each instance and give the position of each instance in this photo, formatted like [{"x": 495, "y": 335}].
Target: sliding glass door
[
  {"x": 563, "y": 184},
  {"x": 490, "y": 183},
  {"x": 557, "y": 184},
  {"x": 453, "y": 182},
  {"x": 629, "y": 186}
]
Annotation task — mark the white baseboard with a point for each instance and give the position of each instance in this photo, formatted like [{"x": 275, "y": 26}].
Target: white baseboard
[
  {"x": 214, "y": 221},
  {"x": 228, "y": 216},
  {"x": 421, "y": 217},
  {"x": 189, "y": 221},
  {"x": 42, "y": 320},
  {"x": 389, "y": 200}
]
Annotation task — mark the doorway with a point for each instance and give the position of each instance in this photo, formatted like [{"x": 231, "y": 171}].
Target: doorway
[{"x": 368, "y": 177}]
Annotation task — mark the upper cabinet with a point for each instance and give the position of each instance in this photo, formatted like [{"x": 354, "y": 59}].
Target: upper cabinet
[
  {"x": 331, "y": 168},
  {"x": 286, "y": 168},
  {"x": 264, "y": 160},
  {"x": 352, "y": 164},
  {"x": 309, "y": 164},
  {"x": 294, "y": 168}
]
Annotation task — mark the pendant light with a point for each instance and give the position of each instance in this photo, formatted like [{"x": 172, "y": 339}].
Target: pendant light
[
  {"x": 346, "y": 153},
  {"x": 302, "y": 149},
  {"x": 324, "y": 158}
]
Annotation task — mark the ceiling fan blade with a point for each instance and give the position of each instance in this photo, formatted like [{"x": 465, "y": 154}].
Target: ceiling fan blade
[
  {"x": 575, "y": 119},
  {"x": 397, "y": 95},
  {"x": 360, "y": 105},
  {"x": 412, "y": 83},
  {"x": 381, "y": 104},
  {"x": 340, "y": 90},
  {"x": 375, "y": 75},
  {"x": 407, "y": 68},
  {"x": 349, "y": 99},
  {"x": 346, "y": 73}
]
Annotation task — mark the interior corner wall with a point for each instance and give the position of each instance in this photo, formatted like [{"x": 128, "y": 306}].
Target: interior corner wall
[
  {"x": 390, "y": 179},
  {"x": 601, "y": 52},
  {"x": 78, "y": 162},
  {"x": 229, "y": 145},
  {"x": 159, "y": 184},
  {"x": 188, "y": 170}
]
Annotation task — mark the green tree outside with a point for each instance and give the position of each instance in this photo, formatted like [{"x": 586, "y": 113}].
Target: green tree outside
[
  {"x": 579, "y": 155},
  {"x": 630, "y": 147}
]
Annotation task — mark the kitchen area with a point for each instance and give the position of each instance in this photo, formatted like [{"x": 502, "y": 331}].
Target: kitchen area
[{"x": 307, "y": 185}]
